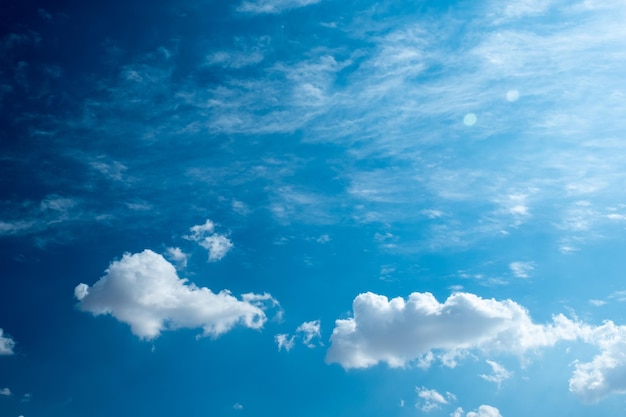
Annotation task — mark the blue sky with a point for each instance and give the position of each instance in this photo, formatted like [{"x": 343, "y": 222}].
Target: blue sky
[{"x": 312, "y": 208}]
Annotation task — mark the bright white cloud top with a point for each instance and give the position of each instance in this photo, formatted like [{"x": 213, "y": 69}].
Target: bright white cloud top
[
  {"x": 397, "y": 331},
  {"x": 144, "y": 291},
  {"x": 421, "y": 329}
]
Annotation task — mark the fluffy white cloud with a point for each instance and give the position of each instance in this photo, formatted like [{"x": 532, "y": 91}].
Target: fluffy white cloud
[
  {"x": 272, "y": 6},
  {"x": 431, "y": 399},
  {"x": 6, "y": 392},
  {"x": 485, "y": 411},
  {"x": 498, "y": 373},
  {"x": 6, "y": 344},
  {"x": 144, "y": 291},
  {"x": 398, "y": 331},
  {"x": 216, "y": 244},
  {"x": 606, "y": 373}
]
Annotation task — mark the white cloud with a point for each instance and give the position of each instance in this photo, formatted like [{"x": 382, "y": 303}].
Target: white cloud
[
  {"x": 6, "y": 344},
  {"x": 198, "y": 231},
  {"x": 498, "y": 373},
  {"x": 457, "y": 413},
  {"x": 284, "y": 341},
  {"x": 6, "y": 392},
  {"x": 431, "y": 399},
  {"x": 218, "y": 245},
  {"x": 306, "y": 332},
  {"x": 309, "y": 330},
  {"x": 421, "y": 329},
  {"x": 606, "y": 373},
  {"x": 521, "y": 269},
  {"x": 144, "y": 291},
  {"x": 398, "y": 331},
  {"x": 485, "y": 411},
  {"x": 272, "y": 6},
  {"x": 238, "y": 406},
  {"x": 177, "y": 255}
]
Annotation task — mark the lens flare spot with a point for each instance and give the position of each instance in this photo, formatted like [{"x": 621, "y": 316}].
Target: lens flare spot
[
  {"x": 470, "y": 119},
  {"x": 512, "y": 95}
]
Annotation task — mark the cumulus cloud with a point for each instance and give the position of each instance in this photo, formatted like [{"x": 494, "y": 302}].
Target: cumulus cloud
[
  {"x": 144, "y": 291},
  {"x": 6, "y": 392},
  {"x": 272, "y": 6},
  {"x": 218, "y": 245},
  {"x": 6, "y": 344},
  {"x": 485, "y": 411},
  {"x": 431, "y": 399},
  {"x": 498, "y": 373},
  {"x": 606, "y": 373},
  {"x": 398, "y": 331}
]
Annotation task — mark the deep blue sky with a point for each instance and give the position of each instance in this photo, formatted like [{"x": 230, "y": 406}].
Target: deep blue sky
[{"x": 312, "y": 208}]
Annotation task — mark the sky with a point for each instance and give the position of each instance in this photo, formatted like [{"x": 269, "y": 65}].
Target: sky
[{"x": 312, "y": 208}]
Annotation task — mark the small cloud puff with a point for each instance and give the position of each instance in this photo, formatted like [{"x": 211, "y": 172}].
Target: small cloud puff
[
  {"x": 284, "y": 341},
  {"x": 430, "y": 399},
  {"x": 144, "y": 291},
  {"x": 178, "y": 256},
  {"x": 498, "y": 373},
  {"x": 6, "y": 344},
  {"x": 5, "y": 392},
  {"x": 482, "y": 411},
  {"x": 216, "y": 244},
  {"x": 238, "y": 406},
  {"x": 307, "y": 332}
]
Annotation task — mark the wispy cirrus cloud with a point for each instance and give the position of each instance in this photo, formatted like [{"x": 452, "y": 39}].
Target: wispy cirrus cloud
[{"x": 272, "y": 6}]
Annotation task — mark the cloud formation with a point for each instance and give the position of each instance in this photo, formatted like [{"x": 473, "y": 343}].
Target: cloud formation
[
  {"x": 144, "y": 291},
  {"x": 216, "y": 244},
  {"x": 606, "y": 373},
  {"x": 272, "y": 6},
  {"x": 431, "y": 399},
  {"x": 498, "y": 373},
  {"x": 421, "y": 329},
  {"x": 398, "y": 331},
  {"x": 307, "y": 332},
  {"x": 482, "y": 411},
  {"x": 6, "y": 344}
]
